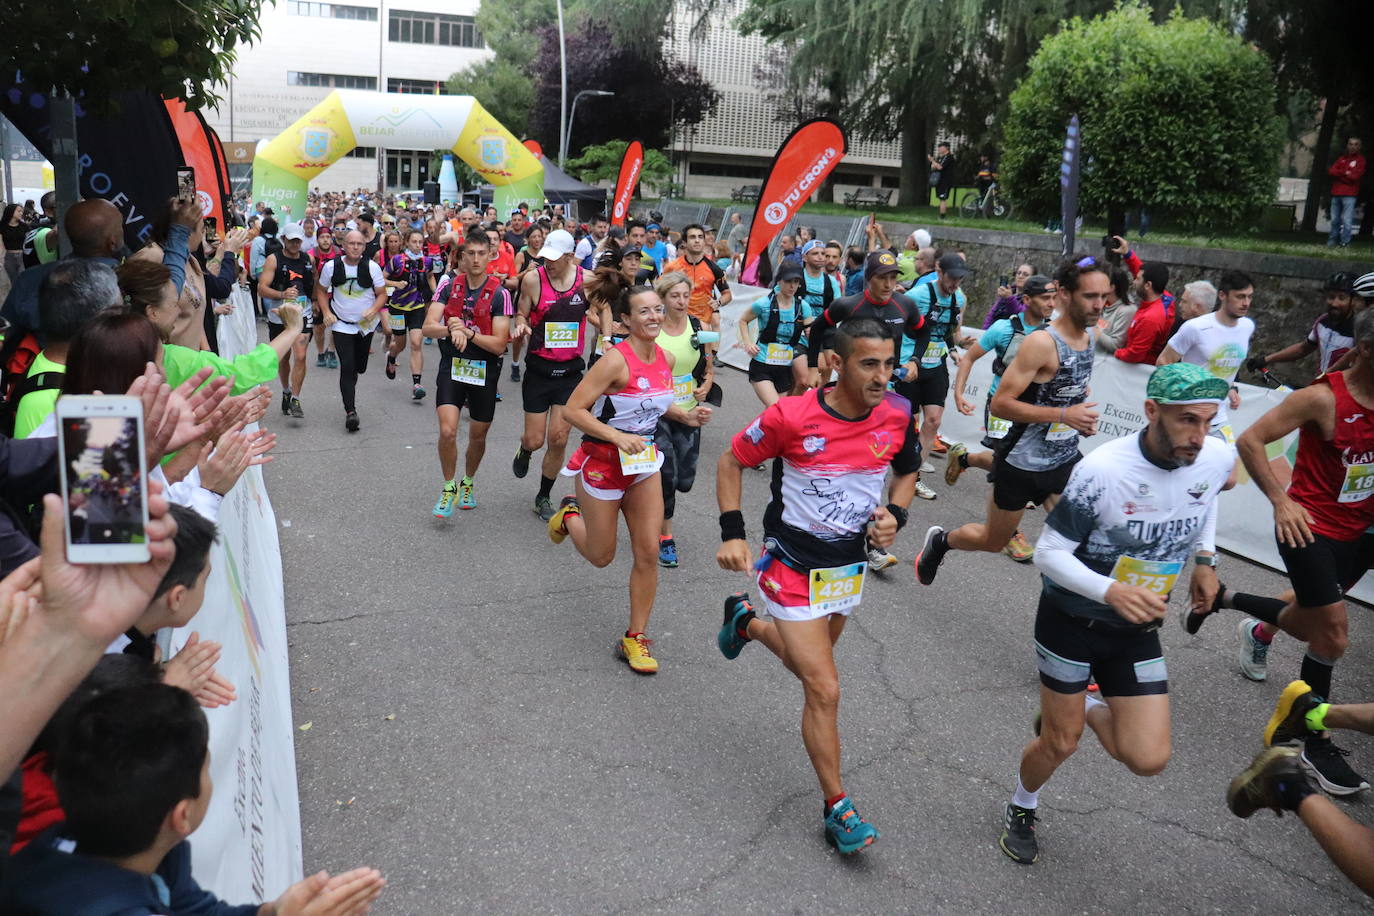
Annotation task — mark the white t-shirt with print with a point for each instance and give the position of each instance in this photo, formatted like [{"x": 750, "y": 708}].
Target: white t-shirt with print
[{"x": 1221, "y": 350}]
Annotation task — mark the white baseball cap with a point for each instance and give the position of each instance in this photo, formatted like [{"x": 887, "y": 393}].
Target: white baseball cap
[
  {"x": 293, "y": 231},
  {"x": 558, "y": 244}
]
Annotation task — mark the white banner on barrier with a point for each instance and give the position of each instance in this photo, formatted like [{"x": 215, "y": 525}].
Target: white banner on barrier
[
  {"x": 249, "y": 846},
  {"x": 1245, "y": 525}
]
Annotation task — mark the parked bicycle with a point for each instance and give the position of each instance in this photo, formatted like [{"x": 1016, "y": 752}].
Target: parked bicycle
[{"x": 992, "y": 205}]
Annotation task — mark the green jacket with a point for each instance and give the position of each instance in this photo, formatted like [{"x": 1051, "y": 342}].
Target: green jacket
[{"x": 253, "y": 368}]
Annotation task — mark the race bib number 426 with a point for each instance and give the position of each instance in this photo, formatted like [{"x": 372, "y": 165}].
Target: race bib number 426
[{"x": 836, "y": 588}]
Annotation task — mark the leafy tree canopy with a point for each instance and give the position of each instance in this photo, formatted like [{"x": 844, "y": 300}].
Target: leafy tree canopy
[
  {"x": 602, "y": 163},
  {"x": 503, "y": 89}
]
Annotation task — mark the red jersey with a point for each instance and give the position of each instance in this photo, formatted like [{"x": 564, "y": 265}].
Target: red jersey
[
  {"x": 1334, "y": 481},
  {"x": 829, "y": 472}
]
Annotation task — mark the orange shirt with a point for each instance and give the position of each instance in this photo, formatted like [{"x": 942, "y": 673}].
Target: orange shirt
[{"x": 704, "y": 275}]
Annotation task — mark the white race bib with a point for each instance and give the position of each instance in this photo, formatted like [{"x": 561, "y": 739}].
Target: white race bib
[
  {"x": 777, "y": 354},
  {"x": 1358, "y": 485},
  {"x": 836, "y": 588},
  {"x": 561, "y": 335},
  {"x": 644, "y": 462},
  {"x": 469, "y": 371}
]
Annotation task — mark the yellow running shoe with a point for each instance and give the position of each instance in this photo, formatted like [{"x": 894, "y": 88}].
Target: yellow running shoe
[
  {"x": 952, "y": 466},
  {"x": 558, "y": 530},
  {"x": 1019, "y": 549},
  {"x": 635, "y": 651}
]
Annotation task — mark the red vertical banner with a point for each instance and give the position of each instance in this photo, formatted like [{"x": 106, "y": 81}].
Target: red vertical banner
[
  {"x": 197, "y": 153},
  {"x": 803, "y": 161},
  {"x": 630, "y": 167}
]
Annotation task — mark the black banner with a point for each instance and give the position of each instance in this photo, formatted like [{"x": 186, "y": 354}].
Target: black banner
[
  {"x": 130, "y": 159},
  {"x": 1068, "y": 183}
]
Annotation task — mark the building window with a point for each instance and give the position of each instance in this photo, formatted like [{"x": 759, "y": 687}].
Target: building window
[
  {"x": 361, "y": 152},
  {"x": 726, "y": 170},
  {"x": 330, "y": 80},
  {"x": 422, "y": 87},
  {"x": 434, "y": 29},
  {"x": 331, "y": 10}
]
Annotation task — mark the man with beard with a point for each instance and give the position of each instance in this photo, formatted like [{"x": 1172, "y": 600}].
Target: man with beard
[{"x": 1332, "y": 335}]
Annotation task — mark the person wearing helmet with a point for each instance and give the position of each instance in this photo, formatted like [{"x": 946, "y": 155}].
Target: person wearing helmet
[
  {"x": 1364, "y": 286},
  {"x": 1332, "y": 335}
]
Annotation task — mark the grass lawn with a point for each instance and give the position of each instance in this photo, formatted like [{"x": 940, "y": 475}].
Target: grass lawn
[{"x": 1312, "y": 245}]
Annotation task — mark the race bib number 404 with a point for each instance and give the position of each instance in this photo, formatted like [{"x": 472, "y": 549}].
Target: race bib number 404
[
  {"x": 561, "y": 335},
  {"x": 777, "y": 355},
  {"x": 1158, "y": 576},
  {"x": 837, "y": 588}
]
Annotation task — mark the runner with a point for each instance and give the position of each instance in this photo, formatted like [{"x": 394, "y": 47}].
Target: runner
[
  {"x": 350, "y": 306},
  {"x": 325, "y": 250},
  {"x": 410, "y": 276},
  {"x": 1041, "y": 394},
  {"x": 618, "y": 407},
  {"x": 288, "y": 276},
  {"x": 1321, "y": 522},
  {"x": 1134, "y": 513},
  {"x": 926, "y": 385},
  {"x": 780, "y": 347},
  {"x": 470, "y": 317},
  {"x": 1332, "y": 335},
  {"x": 811, "y": 571},
  {"x": 553, "y": 314},
  {"x": 682, "y": 336},
  {"x": 710, "y": 289},
  {"x": 1219, "y": 342},
  {"x": 1003, "y": 339}
]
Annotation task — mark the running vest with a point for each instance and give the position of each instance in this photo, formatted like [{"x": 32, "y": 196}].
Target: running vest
[
  {"x": 769, "y": 332},
  {"x": 1045, "y": 446},
  {"x": 996, "y": 427},
  {"x": 1001, "y": 359},
  {"x": 478, "y": 315},
  {"x": 297, "y": 272},
  {"x": 1334, "y": 481},
  {"x": 647, "y": 395},
  {"x": 689, "y": 361},
  {"x": 940, "y": 318},
  {"x": 559, "y": 320}
]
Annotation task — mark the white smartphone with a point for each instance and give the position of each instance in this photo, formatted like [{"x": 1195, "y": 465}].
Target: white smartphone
[
  {"x": 186, "y": 184},
  {"x": 104, "y": 478}
]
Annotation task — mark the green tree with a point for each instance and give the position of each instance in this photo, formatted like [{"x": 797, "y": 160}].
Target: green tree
[
  {"x": 96, "y": 51},
  {"x": 1179, "y": 117},
  {"x": 502, "y": 87},
  {"x": 602, "y": 163}
]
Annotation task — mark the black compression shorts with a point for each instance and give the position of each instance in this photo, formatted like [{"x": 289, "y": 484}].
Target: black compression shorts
[
  {"x": 480, "y": 400},
  {"x": 1323, "y": 570},
  {"x": 1126, "y": 660},
  {"x": 1013, "y": 488}
]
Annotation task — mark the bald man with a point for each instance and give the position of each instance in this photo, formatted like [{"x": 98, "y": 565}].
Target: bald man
[{"x": 95, "y": 228}]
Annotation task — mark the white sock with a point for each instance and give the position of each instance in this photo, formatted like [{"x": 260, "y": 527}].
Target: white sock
[
  {"x": 1022, "y": 798},
  {"x": 1091, "y": 700}
]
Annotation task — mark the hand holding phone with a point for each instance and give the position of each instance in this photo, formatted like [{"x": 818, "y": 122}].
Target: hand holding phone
[
  {"x": 186, "y": 184},
  {"x": 100, "y": 445}
]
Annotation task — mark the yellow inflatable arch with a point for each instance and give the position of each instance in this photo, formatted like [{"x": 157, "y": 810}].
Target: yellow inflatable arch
[{"x": 347, "y": 118}]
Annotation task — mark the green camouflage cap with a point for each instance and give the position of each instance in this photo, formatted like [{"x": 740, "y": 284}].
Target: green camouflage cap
[{"x": 1184, "y": 383}]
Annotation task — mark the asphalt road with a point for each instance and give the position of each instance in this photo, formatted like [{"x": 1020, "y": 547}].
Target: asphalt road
[{"x": 475, "y": 737}]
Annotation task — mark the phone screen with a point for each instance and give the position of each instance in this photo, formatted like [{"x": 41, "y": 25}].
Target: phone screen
[
  {"x": 104, "y": 487},
  {"x": 186, "y": 184}
]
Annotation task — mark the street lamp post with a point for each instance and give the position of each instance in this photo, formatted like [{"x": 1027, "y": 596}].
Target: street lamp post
[
  {"x": 563, "y": 87},
  {"x": 572, "y": 116}
]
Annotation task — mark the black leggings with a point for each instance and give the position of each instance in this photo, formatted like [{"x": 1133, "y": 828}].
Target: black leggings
[
  {"x": 353, "y": 352},
  {"x": 679, "y": 444}
]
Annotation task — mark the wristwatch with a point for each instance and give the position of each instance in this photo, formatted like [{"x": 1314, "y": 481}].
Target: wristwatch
[{"x": 1205, "y": 560}]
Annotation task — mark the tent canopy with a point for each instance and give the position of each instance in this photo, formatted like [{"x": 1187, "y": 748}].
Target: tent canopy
[{"x": 562, "y": 188}]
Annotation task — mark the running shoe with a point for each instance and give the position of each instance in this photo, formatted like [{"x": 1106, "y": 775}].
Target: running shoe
[
  {"x": 1254, "y": 655},
  {"x": 1327, "y": 762},
  {"x": 286, "y": 403},
  {"x": 333, "y": 358},
  {"x": 941, "y": 448},
  {"x": 927, "y": 467},
  {"x": 417, "y": 393},
  {"x": 637, "y": 654},
  {"x": 515, "y": 372},
  {"x": 429, "y": 341},
  {"x": 466, "y": 497},
  {"x": 846, "y": 830},
  {"x": 390, "y": 367},
  {"x": 498, "y": 396},
  {"x": 924, "y": 491},
  {"x": 953, "y": 466},
  {"x": 1192, "y": 620},
  {"x": 543, "y": 507},
  {"x": 351, "y": 421},
  {"x": 1019, "y": 549},
  {"x": 1288, "y": 724},
  {"x": 297, "y": 411},
  {"x": 929, "y": 559},
  {"x": 1018, "y": 835},
  {"x": 558, "y": 521},
  {"x": 879, "y": 560},
  {"x": 737, "y": 611},
  {"x": 521, "y": 465},
  {"x": 321, "y": 361},
  {"x": 444, "y": 507},
  {"x": 667, "y": 553},
  {"x": 1264, "y": 783}
]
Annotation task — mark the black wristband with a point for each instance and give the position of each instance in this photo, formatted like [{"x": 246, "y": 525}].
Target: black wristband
[
  {"x": 732, "y": 526},
  {"x": 1292, "y": 789},
  {"x": 899, "y": 514}
]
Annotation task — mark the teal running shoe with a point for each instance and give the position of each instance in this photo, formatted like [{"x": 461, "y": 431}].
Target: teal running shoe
[
  {"x": 444, "y": 507},
  {"x": 737, "y": 611},
  {"x": 846, "y": 831},
  {"x": 466, "y": 499}
]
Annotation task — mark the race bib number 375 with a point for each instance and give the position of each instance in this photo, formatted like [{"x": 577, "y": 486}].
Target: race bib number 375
[{"x": 1158, "y": 576}]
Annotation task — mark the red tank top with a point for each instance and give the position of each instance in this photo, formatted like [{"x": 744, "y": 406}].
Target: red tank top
[{"x": 1334, "y": 481}]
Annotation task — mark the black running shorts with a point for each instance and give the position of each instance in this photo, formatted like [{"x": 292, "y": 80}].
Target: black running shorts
[
  {"x": 547, "y": 384},
  {"x": 480, "y": 400},
  {"x": 779, "y": 376},
  {"x": 1323, "y": 570},
  {"x": 1127, "y": 661},
  {"x": 1013, "y": 488}
]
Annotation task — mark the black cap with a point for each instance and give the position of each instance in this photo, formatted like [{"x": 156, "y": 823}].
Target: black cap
[
  {"x": 953, "y": 266},
  {"x": 789, "y": 270},
  {"x": 1037, "y": 285},
  {"x": 1340, "y": 282},
  {"x": 880, "y": 262}
]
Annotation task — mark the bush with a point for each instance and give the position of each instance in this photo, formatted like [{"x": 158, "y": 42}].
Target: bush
[{"x": 1179, "y": 118}]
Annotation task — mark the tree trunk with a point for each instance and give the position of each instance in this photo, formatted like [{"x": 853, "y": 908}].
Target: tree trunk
[
  {"x": 915, "y": 189},
  {"x": 1321, "y": 156}
]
